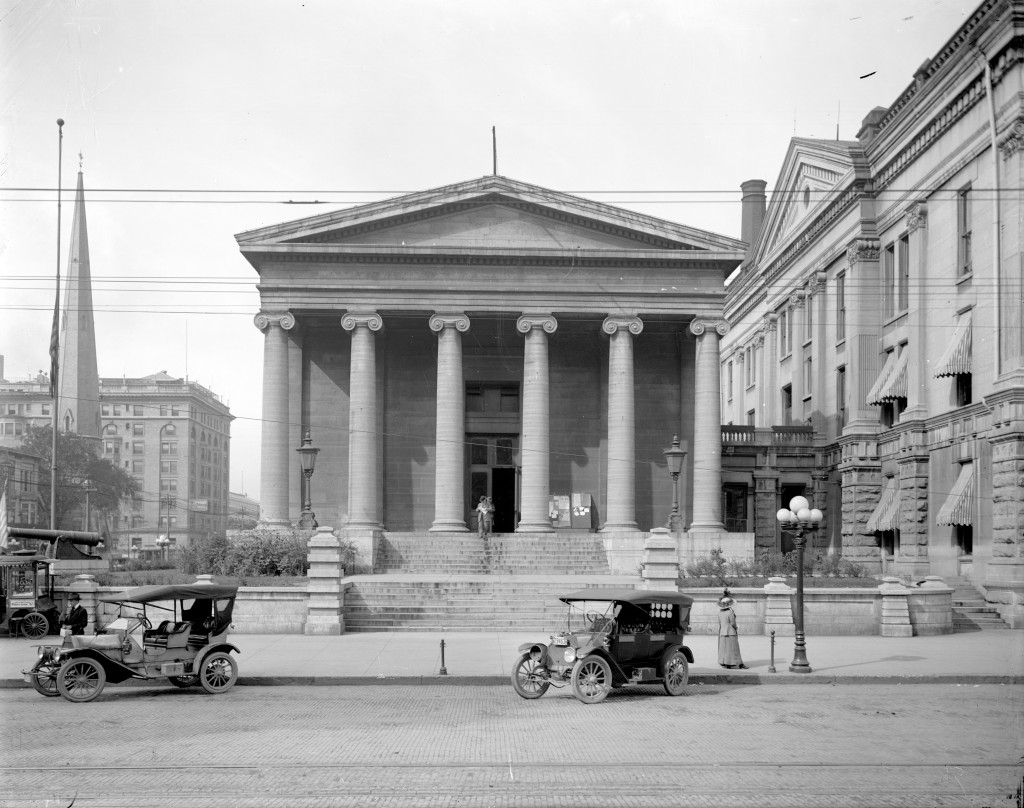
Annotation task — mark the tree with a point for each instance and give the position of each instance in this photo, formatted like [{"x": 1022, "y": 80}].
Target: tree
[{"x": 78, "y": 467}]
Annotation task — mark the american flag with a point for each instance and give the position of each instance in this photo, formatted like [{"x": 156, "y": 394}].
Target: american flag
[
  {"x": 4, "y": 531},
  {"x": 55, "y": 345}
]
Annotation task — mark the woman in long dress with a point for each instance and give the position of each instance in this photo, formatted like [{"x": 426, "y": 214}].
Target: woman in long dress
[{"x": 728, "y": 637}]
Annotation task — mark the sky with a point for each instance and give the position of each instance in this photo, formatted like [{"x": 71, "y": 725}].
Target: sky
[{"x": 200, "y": 120}]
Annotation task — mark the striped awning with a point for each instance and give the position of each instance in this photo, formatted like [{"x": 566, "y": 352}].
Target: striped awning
[
  {"x": 892, "y": 381},
  {"x": 958, "y": 509},
  {"x": 957, "y": 358},
  {"x": 886, "y": 515}
]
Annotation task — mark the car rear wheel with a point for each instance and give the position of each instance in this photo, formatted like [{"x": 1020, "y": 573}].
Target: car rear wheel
[
  {"x": 44, "y": 679},
  {"x": 218, "y": 673},
  {"x": 183, "y": 681},
  {"x": 81, "y": 679},
  {"x": 526, "y": 680},
  {"x": 34, "y": 625},
  {"x": 675, "y": 673},
  {"x": 591, "y": 679}
]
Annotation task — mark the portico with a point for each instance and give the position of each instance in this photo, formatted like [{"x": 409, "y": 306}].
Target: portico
[{"x": 490, "y": 338}]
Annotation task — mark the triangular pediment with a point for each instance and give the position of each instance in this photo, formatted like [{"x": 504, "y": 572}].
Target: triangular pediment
[
  {"x": 812, "y": 171},
  {"x": 491, "y": 213}
]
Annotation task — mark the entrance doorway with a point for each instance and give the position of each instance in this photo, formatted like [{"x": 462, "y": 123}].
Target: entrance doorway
[{"x": 492, "y": 473}]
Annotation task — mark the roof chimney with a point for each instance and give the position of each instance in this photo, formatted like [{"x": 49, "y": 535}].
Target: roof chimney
[
  {"x": 754, "y": 203},
  {"x": 871, "y": 125}
]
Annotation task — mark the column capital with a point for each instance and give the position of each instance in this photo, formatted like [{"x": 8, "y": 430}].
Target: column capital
[
  {"x": 698, "y": 326},
  {"x": 528, "y": 322},
  {"x": 370, "y": 319},
  {"x": 917, "y": 216},
  {"x": 439, "y": 322},
  {"x": 862, "y": 249},
  {"x": 622, "y": 322},
  {"x": 265, "y": 319}
]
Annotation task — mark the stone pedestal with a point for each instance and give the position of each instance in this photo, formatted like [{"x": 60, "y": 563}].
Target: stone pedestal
[
  {"x": 325, "y": 598},
  {"x": 661, "y": 561},
  {"x": 778, "y": 611},
  {"x": 895, "y": 609}
]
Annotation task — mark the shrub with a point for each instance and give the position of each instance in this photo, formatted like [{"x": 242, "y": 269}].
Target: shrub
[
  {"x": 714, "y": 567},
  {"x": 259, "y": 553}
]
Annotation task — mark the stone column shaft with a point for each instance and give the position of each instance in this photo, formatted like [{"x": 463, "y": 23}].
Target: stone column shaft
[
  {"x": 621, "y": 423},
  {"x": 707, "y": 428},
  {"x": 362, "y": 463},
  {"x": 449, "y": 475},
  {"x": 536, "y": 468},
  {"x": 275, "y": 461}
]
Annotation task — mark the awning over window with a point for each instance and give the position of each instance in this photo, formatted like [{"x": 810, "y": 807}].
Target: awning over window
[
  {"x": 958, "y": 509},
  {"x": 892, "y": 381},
  {"x": 957, "y": 358},
  {"x": 886, "y": 515}
]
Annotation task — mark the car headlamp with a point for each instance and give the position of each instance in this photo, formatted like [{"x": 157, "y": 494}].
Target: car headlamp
[
  {"x": 569, "y": 655},
  {"x": 41, "y": 651}
]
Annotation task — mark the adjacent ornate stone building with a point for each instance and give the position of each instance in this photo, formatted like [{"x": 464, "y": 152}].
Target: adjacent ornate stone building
[
  {"x": 490, "y": 338},
  {"x": 881, "y": 311}
]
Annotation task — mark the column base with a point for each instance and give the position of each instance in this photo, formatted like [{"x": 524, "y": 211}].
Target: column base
[{"x": 454, "y": 526}]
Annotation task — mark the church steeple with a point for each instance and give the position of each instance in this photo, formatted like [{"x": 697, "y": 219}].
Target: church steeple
[{"x": 78, "y": 405}]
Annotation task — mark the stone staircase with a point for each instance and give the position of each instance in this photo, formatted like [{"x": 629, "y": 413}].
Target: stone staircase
[
  {"x": 970, "y": 610},
  {"x": 458, "y": 582}
]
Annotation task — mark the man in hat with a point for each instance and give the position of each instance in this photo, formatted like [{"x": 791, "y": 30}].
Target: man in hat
[
  {"x": 728, "y": 637},
  {"x": 75, "y": 616}
]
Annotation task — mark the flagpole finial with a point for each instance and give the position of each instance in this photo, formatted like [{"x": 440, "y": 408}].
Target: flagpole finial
[
  {"x": 60, "y": 122},
  {"x": 80, "y": 161}
]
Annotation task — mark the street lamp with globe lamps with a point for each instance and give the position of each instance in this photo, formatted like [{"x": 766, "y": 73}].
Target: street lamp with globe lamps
[
  {"x": 307, "y": 456},
  {"x": 800, "y": 520}
]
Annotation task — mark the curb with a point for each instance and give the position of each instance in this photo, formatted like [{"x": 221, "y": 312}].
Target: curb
[{"x": 494, "y": 680}]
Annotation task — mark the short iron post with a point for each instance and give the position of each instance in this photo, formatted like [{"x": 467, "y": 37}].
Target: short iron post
[
  {"x": 771, "y": 667},
  {"x": 444, "y": 670}
]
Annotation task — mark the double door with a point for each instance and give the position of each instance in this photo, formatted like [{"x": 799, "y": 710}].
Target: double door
[{"x": 493, "y": 473}]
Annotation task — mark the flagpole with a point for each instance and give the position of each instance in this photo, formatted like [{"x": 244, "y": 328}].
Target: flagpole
[{"x": 55, "y": 343}]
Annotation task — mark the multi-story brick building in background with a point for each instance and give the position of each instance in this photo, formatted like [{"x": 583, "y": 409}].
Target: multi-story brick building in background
[{"x": 172, "y": 435}]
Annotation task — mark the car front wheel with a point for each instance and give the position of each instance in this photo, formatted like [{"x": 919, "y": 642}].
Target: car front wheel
[
  {"x": 675, "y": 673},
  {"x": 44, "y": 678},
  {"x": 81, "y": 679},
  {"x": 526, "y": 679},
  {"x": 218, "y": 673},
  {"x": 591, "y": 679}
]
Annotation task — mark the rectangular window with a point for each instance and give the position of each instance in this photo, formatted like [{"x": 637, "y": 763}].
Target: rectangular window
[
  {"x": 841, "y": 307},
  {"x": 808, "y": 377},
  {"x": 138, "y": 429},
  {"x": 168, "y": 466},
  {"x": 748, "y": 367},
  {"x": 809, "y": 319},
  {"x": 509, "y": 400},
  {"x": 841, "y": 395},
  {"x": 787, "y": 404},
  {"x": 117, "y": 409},
  {"x": 963, "y": 389},
  {"x": 903, "y": 274},
  {"x": 138, "y": 466},
  {"x": 169, "y": 447},
  {"x": 889, "y": 282},
  {"x": 105, "y": 409},
  {"x": 168, "y": 484},
  {"x": 111, "y": 447},
  {"x": 138, "y": 447},
  {"x": 728, "y": 377},
  {"x": 784, "y": 335},
  {"x": 137, "y": 409},
  {"x": 963, "y": 219},
  {"x": 750, "y": 417},
  {"x": 46, "y": 409}
]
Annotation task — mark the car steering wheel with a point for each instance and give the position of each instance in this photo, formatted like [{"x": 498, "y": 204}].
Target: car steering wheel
[
  {"x": 144, "y": 622},
  {"x": 593, "y": 618}
]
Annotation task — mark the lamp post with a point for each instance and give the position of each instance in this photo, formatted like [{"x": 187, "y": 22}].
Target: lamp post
[
  {"x": 162, "y": 541},
  {"x": 800, "y": 520},
  {"x": 307, "y": 456},
  {"x": 674, "y": 456}
]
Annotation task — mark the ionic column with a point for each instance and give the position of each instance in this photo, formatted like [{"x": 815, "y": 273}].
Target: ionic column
[
  {"x": 920, "y": 369},
  {"x": 707, "y": 428},
  {"x": 862, "y": 329},
  {"x": 767, "y": 383},
  {"x": 362, "y": 445},
  {"x": 797, "y": 313},
  {"x": 536, "y": 467},
  {"x": 275, "y": 459},
  {"x": 449, "y": 474},
  {"x": 621, "y": 423}
]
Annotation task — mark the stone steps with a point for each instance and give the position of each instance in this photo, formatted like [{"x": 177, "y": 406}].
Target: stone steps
[{"x": 970, "y": 610}]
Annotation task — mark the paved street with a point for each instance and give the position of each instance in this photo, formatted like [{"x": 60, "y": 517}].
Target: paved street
[{"x": 397, "y": 745}]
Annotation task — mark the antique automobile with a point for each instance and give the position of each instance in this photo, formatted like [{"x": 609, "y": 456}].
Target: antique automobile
[
  {"x": 26, "y": 596},
  {"x": 612, "y": 637},
  {"x": 188, "y": 647}
]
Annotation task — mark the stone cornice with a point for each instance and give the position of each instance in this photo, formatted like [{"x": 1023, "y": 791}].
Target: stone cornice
[
  {"x": 618, "y": 322},
  {"x": 265, "y": 319},
  {"x": 528, "y": 322},
  {"x": 370, "y": 319},
  {"x": 439, "y": 322}
]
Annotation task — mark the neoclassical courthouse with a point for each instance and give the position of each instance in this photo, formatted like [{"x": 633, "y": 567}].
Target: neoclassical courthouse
[{"x": 493, "y": 338}]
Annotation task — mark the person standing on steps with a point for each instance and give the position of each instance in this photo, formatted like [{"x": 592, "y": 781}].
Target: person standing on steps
[
  {"x": 482, "y": 518},
  {"x": 489, "y": 518},
  {"x": 728, "y": 636}
]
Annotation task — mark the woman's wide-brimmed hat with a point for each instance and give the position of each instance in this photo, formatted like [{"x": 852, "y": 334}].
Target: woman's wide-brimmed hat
[{"x": 726, "y": 602}]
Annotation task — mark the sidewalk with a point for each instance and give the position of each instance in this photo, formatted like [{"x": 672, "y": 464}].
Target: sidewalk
[{"x": 980, "y": 657}]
